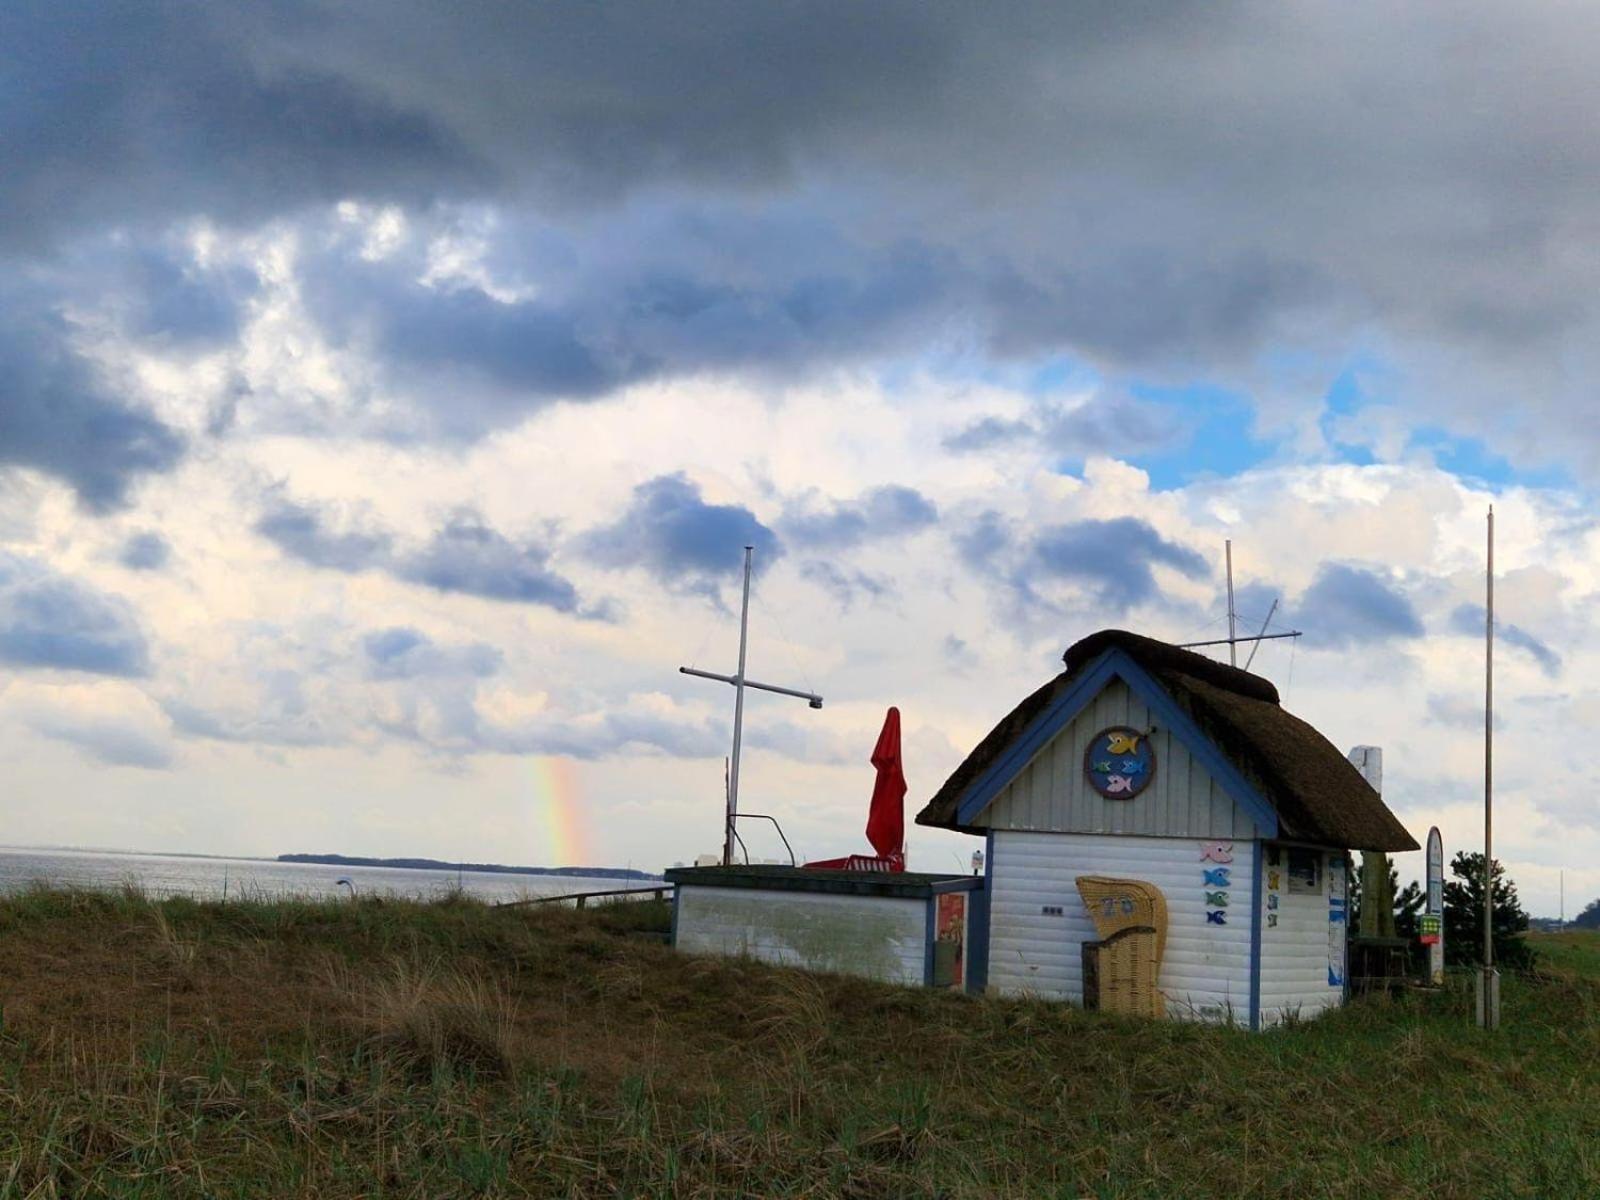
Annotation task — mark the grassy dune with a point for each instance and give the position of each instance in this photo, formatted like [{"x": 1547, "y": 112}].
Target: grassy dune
[{"x": 382, "y": 1049}]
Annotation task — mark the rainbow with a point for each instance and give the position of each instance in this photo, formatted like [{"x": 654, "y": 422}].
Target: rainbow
[{"x": 560, "y": 834}]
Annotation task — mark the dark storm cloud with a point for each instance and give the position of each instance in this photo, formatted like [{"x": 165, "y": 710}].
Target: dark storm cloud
[
  {"x": 1469, "y": 619},
  {"x": 108, "y": 742},
  {"x": 144, "y": 551},
  {"x": 1102, "y": 424},
  {"x": 881, "y": 512},
  {"x": 669, "y": 531},
  {"x": 1160, "y": 189},
  {"x": 51, "y": 621},
  {"x": 1351, "y": 606},
  {"x": 465, "y": 555},
  {"x": 637, "y": 299},
  {"x": 180, "y": 303},
  {"x": 468, "y": 556},
  {"x": 308, "y": 533},
  {"x": 115, "y": 114},
  {"x": 1114, "y": 559},
  {"x": 845, "y": 584},
  {"x": 400, "y": 652},
  {"x": 59, "y": 416}
]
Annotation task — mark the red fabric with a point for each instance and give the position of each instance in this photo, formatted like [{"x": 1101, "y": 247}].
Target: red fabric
[
  {"x": 886, "y": 819},
  {"x": 858, "y": 862}
]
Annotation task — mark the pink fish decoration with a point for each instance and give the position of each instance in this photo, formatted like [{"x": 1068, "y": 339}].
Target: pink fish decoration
[{"x": 1221, "y": 852}]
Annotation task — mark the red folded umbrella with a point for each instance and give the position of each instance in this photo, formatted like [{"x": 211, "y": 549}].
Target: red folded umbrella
[{"x": 886, "y": 819}]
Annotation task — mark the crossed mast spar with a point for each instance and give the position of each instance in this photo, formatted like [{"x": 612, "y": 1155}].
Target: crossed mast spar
[
  {"x": 739, "y": 683},
  {"x": 1233, "y": 639}
]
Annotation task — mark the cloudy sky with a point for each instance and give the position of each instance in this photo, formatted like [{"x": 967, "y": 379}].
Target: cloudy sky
[{"x": 386, "y": 390}]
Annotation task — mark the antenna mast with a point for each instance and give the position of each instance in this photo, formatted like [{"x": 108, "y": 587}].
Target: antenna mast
[{"x": 1233, "y": 639}]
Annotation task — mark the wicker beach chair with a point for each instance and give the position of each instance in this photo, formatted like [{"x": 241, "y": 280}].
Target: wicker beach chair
[{"x": 1122, "y": 970}]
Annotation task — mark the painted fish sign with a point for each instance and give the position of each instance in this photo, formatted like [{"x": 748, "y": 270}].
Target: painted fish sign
[
  {"x": 1433, "y": 914},
  {"x": 1119, "y": 762}
]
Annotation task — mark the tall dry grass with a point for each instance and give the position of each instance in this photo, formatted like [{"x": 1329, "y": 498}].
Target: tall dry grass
[{"x": 260, "y": 1049}]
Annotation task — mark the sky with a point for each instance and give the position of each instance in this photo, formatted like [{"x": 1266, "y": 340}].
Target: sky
[{"x": 387, "y": 390}]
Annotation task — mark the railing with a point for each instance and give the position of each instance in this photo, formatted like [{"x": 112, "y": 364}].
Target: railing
[
  {"x": 750, "y": 816},
  {"x": 582, "y": 898}
]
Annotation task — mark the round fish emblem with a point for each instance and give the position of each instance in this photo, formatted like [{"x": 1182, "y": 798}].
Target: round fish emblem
[{"x": 1120, "y": 762}]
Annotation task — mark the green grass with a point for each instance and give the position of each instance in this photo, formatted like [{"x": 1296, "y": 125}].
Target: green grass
[
  {"x": 1575, "y": 953},
  {"x": 437, "y": 1050}
]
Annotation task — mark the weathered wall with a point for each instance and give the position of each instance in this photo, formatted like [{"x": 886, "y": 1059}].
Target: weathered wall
[
  {"x": 1034, "y": 950},
  {"x": 1051, "y": 793},
  {"x": 1298, "y": 948},
  {"x": 880, "y": 937}
]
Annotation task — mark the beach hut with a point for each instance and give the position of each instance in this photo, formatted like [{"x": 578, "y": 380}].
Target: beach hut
[{"x": 1162, "y": 836}]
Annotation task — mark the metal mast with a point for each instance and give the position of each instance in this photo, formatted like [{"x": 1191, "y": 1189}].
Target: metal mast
[{"x": 739, "y": 683}]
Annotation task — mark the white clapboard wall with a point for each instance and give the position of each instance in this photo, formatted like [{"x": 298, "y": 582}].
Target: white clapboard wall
[
  {"x": 1038, "y": 924},
  {"x": 1051, "y": 793},
  {"x": 1298, "y": 948}
]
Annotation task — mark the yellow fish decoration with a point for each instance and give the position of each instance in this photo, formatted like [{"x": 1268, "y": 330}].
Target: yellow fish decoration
[{"x": 1123, "y": 743}]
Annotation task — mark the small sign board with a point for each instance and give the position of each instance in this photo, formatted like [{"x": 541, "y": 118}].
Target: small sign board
[
  {"x": 1435, "y": 871},
  {"x": 1432, "y": 924}
]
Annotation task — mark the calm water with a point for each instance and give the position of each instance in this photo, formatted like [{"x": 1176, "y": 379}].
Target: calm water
[{"x": 206, "y": 878}]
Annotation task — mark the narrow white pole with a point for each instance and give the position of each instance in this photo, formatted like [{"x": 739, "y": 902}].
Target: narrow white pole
[
  {"x": 1488, "y": 760},
  {"x": 738, "y": 715},
  {"x": 1489, "y": 980},
  {"x": 1233, "y": 646}
]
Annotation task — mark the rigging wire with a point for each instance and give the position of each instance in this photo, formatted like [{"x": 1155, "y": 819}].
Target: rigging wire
[{"x": 789, "y": 644}]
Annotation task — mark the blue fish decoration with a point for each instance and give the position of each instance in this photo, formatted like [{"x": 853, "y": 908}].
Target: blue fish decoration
[
  {"x": 1216, "y": 918},
  {"x": 1218, "y": 877}
]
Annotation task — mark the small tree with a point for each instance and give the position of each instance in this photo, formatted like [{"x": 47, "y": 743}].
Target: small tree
[
  {"x": 1463, "y": 916},
  {"x": 1407, "y": 902},
  {"x": 1589, "y": 918}
]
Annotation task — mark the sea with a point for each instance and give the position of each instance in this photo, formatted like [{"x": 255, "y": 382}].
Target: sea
[{"x": 211, "y": 878}]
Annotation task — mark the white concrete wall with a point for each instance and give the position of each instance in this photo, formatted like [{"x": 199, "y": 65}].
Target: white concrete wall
[
  {"x": 1296, "y": 948},
  {"x": 880, "y": 937},
  {"x": 1205, "y": 972}
]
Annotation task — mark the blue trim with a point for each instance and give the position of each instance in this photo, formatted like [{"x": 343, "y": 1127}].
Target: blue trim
[
  {"x": 1045, "y": 726},
  {"x": 978, "y": 942},
  {"x": 1113, "y": 663},
  {"x": 1258, "y": 851},
  {"x": 676, "y": 892},
  {"x": 930, "y": 932}
]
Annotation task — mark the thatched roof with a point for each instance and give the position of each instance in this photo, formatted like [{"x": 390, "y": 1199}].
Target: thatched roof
[{"x": 1319, "y": 796}]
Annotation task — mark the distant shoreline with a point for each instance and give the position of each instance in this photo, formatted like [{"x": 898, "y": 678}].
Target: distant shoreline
[{"x": 434, "y": 864}]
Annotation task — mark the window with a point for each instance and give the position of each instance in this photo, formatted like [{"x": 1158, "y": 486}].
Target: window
[{"x": 1305, "y": 871}]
